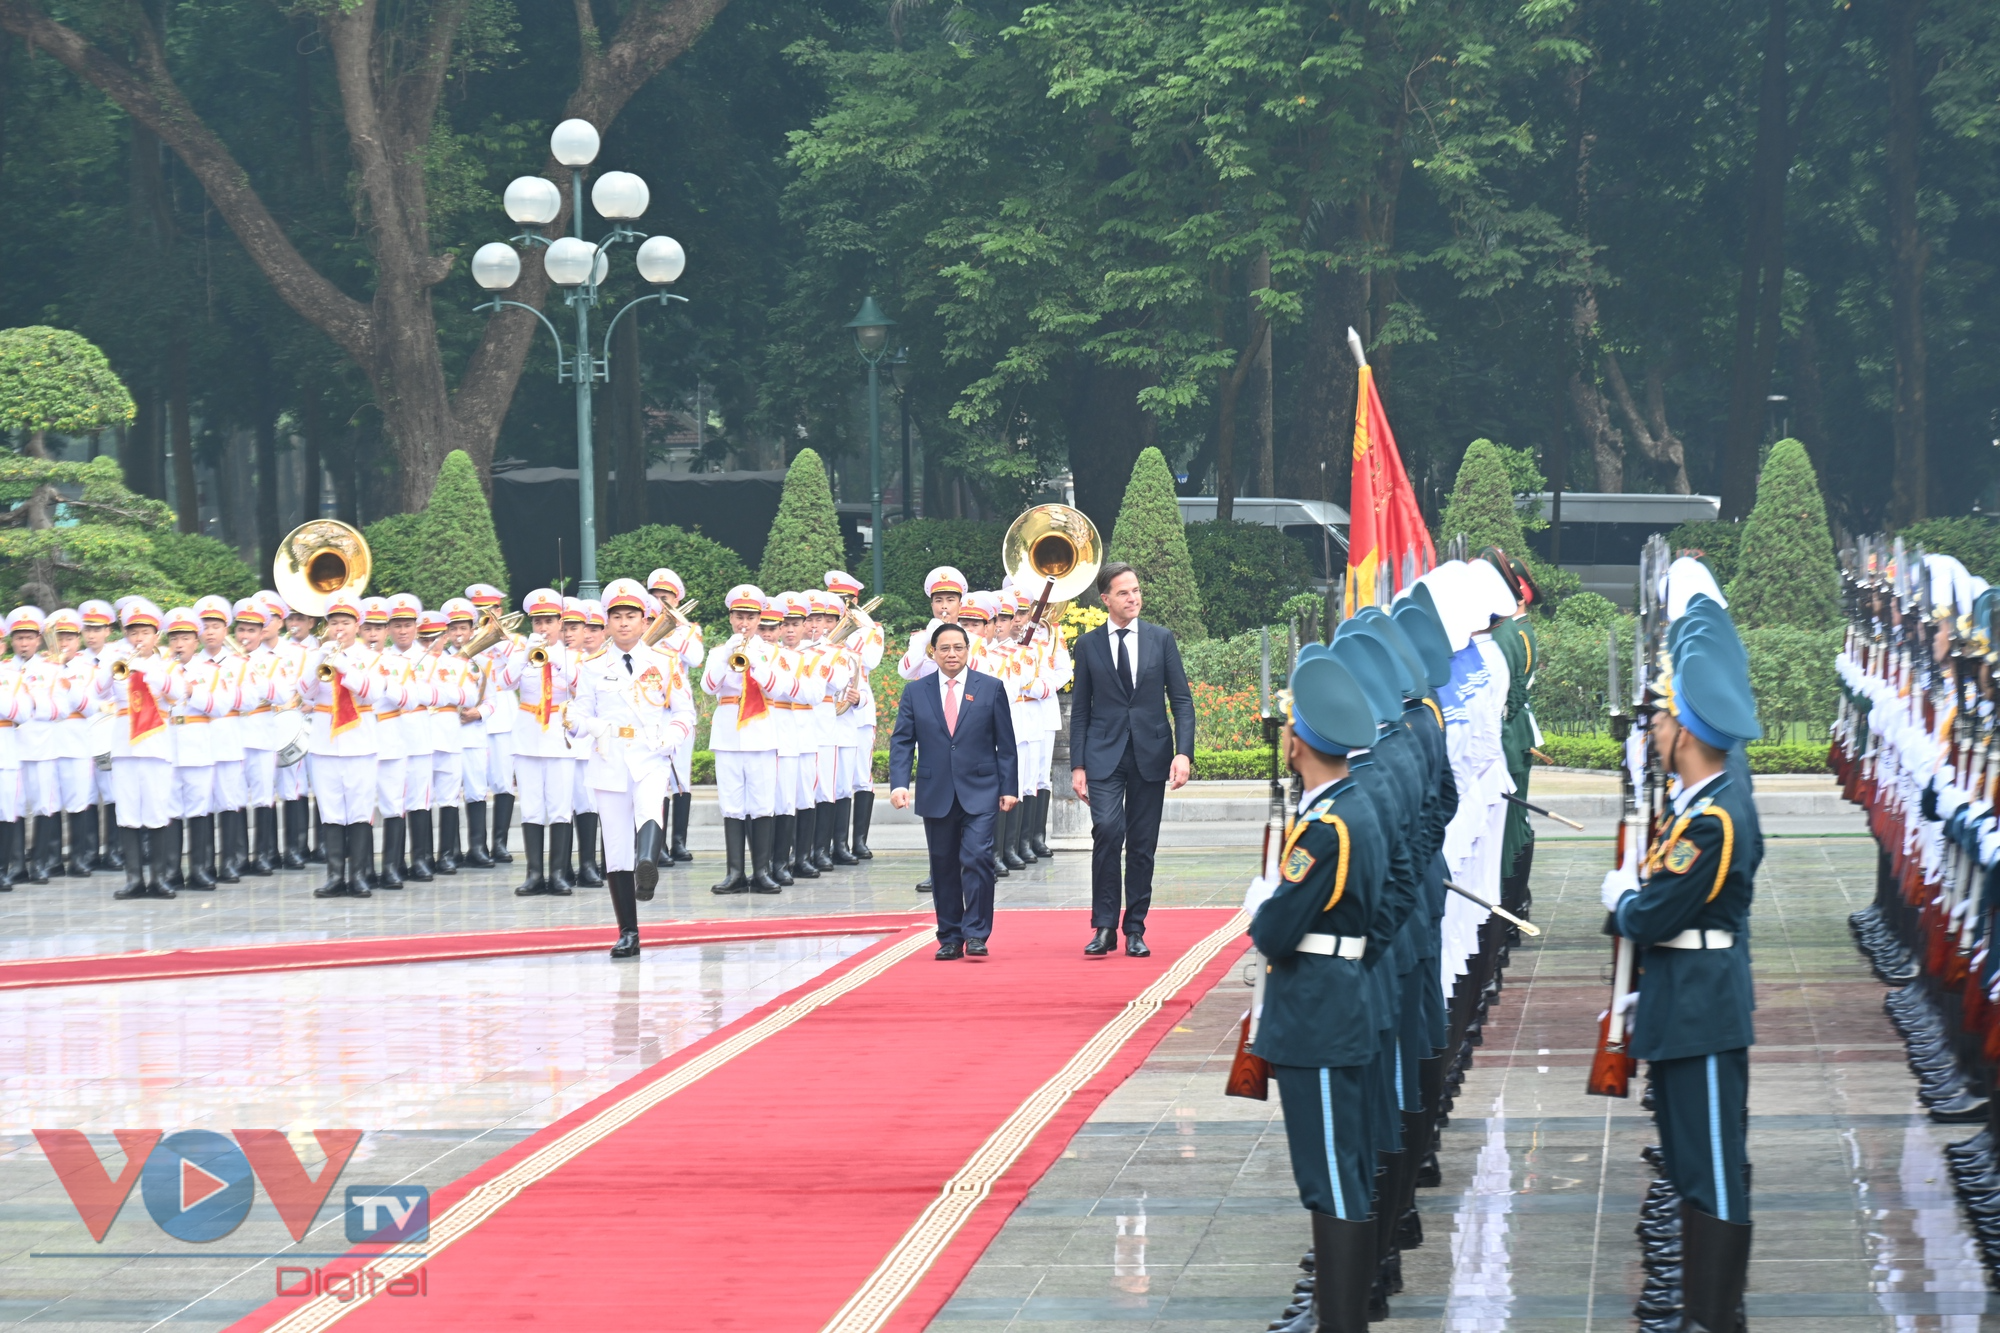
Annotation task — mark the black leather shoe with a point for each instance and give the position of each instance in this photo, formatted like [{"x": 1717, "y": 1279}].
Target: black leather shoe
[
  {"x": 627, "y": 946},
  {"x": 1100, "y": 943},
  {"x": 948, "y": 952},
  {"x": 924, "y": 884},
  {"x": 1135, "y": 947},
  {"x": 975, "y": 948}
]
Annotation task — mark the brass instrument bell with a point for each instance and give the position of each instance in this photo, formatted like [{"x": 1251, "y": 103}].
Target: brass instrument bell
[
  {"x": 491, "y": 631},
  {"x": 1055, "y": 547},
  {"x": 670, "y": 619},
  {"x": 319, "y": 560}
]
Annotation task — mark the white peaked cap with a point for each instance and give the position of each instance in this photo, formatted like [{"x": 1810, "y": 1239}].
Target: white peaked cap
[{"x": 1686, "y": 579}]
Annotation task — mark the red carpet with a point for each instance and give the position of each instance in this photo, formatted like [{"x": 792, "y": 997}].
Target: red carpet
[
  {"x": 154, "y": 964},
  {"x": 836, "y": 1160}
]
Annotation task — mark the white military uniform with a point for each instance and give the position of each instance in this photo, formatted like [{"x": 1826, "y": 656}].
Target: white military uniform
[
  {"x": 343, "y": 763},
  {"x": 746, "y": 753},
  {"x": 544, "y": 760},
  {"x": 625, "y": 708},
  {"x": 142, "y": 768},
  {"x": 72, "y": 766}
]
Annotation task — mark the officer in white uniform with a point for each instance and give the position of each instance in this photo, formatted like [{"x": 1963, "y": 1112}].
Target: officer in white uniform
[
  {"x": 866, "y": 643},
  {"x": 624, "y": 710},
  {"x": 742, "y": 734},
  {"x": 793, "y": 830},
  {"x": 945, "y": 587},
  {"x": 258, "y": 720},
  {"x": 229, "y": 799},
  {"x": 68, "y": 768},
  {"x": 544, "y": 672},
  {"x": 13, "y": 831},
  {"x": 685, "y": 641},
  {"x": 342, "y": 751},
  {"x": 98, "y": 621},
  {"x": 138, "y": 686},
  {"x": 474, "y": 709},
  {"x": 488, "y": 600}
]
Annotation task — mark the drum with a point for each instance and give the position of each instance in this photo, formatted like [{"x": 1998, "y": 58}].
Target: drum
[{"x": 298, "y": 735}]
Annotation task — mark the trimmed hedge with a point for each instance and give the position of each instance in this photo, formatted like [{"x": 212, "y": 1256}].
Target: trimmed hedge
[
  {"x": 709, "y": 568},
  {"x": 912, "y": 550},
  {"x": 1601, "y": 752},
  {"x": 1246, "y": 573},
  {"x": 804, "y": 542},
  {"x": 1150, "y": 537},
  {"x": 445, "y": 548},
  {"x": 1785, "y": 569},
  {"x": 202, "y": 565}
]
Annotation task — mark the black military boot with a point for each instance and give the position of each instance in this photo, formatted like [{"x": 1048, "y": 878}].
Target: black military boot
[
  {"x": 864, "y": 813},
  {"x": 683, "y": 805},
  {"x": 420, "y": 871},
  {"x": 625, "y": 906},
  {"x": 649, "y": 849},
  {"x": 1005, "y": 838},
  {"x": 734, "y": 881},
  {"x": 843, "y": 814},
  {"x": 360, "y": 859},
  {"x": 232, "y": 828},
  {"x": 535, "y": 884},
  {"x": 201, "y": 852},
  {"x": 447, "y": 841},
  {"x": 763, "y": 830},
  {"x": 17, "y": 862},
  {"x": 11, "y": 834},
  {"x": 263, "y": 842},
  {"x": 135, "y": 864},
  {"x": 165, "y": 854},
  {"x": 316, "y": 855},
  {"x": 781, "y": 850},
  {"x": 560, "y": 880},
  {"x": 82, "y": 842},
  {"x": 503, "y": 821},
  {"x": 1039, "y": 837},
  {"x": 822, "y": 853},
  {"x": 110, "y": 855},
  {"x": 475, "y": 836},
  {"x": 805, "y": 823},
  {"x": 333, "y": 841},
  {"x": 589, "y": 874},
  {"x": 296, "y": 818},
  {"x": 47, "y": 849},
  {"x": 1715, "y": 1264},
  {"x": 1343, "y": 1272},
  {"x": 394, "y": 830}
]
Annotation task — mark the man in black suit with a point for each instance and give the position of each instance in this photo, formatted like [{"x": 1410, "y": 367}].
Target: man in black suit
[
  {"x": 1128, "y": 672},
  {"x": 962, "y": 722}
]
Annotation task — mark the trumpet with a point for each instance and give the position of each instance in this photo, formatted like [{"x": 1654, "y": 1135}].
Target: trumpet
[
  {"x": 670, "y": 619},
  {"x": 328, "y": 672},
  {"x": 538, "y": 655},
  {"x": 739, "y": 660},
  {"x": 850, "y": 620}
]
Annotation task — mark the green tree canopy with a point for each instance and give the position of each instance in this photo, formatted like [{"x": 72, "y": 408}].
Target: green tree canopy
[
  {"x": 55, "y": 380},
  {"x": 1785, "y": 572},
  {"x": 805, "y": 536},
  {"x": 1149, "y": 537},
  {"x": 99, "y": 541},
  {"x": 443, "y": 550}
]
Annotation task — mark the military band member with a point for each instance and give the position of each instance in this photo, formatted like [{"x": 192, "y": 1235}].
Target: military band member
[
  {"x": 836, "y": 672},
  {"x": 224, "y": 830},
  {"x": 341, "y": 682},
  {"x": 259, "y": 721},
  {"x": 792, "y": 711},
  {"x": 1313, "y": 928},
  {"x": 1688, "y": 908},
  {"x": 1028, "y": 685},
  {"x": 866, "y": 644},
  {"x": 40, "y": 682},
  {"x": 1057, "y": 671},
  {"x": 742, "y": 731},
  {"x": 545, "y": 672},
  {"x": 586, "y": 638},
  {"x": 686, "y": 642},
  {"x": 13, "y": 700},
  {"x": 71, "y": 773},
  {"x": 194, "y": 759},
  {"x": 471, "y": 714},
  {"x": 137, "y": 685},
  {"x": 624, "y": 707},
  {"x": 946, "y": 588},
  {"x": 98, "y": 621},
  {"x": 488, "y": 600},
  {"x": 293, "y": 789}
]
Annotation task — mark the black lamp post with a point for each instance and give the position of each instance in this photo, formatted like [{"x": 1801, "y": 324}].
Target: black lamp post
[{"x": 871, "y": 337}]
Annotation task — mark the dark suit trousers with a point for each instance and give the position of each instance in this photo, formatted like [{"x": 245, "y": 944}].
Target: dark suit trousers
[
  {"x": 1124, "y": 815},
  {"x": 961, "y": 846}
]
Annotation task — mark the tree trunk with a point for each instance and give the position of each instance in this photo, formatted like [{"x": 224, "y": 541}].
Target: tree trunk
[
  {"x": 312, "y": 467},
  {"x": 1225, "y": 416},
  {"x": 1557, "y": 454},
  {"x": 1809, "y": 405},
  {"x": 629, "y": 418},
  {"x": 1106, "y": 412},
  {"x": 187, "y": 496},
  {"x": 1649, "y": 427},
  {"x": 1761, "y": 281},
  {"x": 1261, "y": 404},
  {"x": 269, "y": 529},
  {"x": 1910, "y": 254},
  {"x": 1319, "y": 448}
]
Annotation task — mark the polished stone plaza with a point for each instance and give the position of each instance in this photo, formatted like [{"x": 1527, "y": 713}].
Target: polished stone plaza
[{"x": 1172, "y": 1208}]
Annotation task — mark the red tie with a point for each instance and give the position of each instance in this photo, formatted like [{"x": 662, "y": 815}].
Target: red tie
[{"x": 951, "y": 707}]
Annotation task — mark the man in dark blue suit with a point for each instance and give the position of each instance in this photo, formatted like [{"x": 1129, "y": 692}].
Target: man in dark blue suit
[
  {"x": 1128, "y": 673},
  {"x": 961, "y": 721}
]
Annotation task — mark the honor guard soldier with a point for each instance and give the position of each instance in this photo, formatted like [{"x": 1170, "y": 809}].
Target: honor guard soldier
[
  {"x": 13, "y": 701},
  {"x": 137, "y": 685},
  {"x": 624, "y": 708},
  {"x": 474, "y": 710},
  {"x": 867, "y": 643},
  {"x": 389, "y": 627},
  {"x": 586, "y": 640},
  {"x": 792, "y": 833},
  {"x": 227, "y": 829},
  {"x": 259, "y": 721},
  {"x": 294, "y": 790},
  {"x": 41, "y": 680},
  {"x": 544, "y": 762},
  {"x": 739, "y": 675},
  {"x": 1058, "y": 670},
  {"x": 1515, "y": 637},
  {"x": 1688, "y": 908},
  {"x": 945, "y": 587},
  {"x": 1026, "y": 687},
  {"x": 341, "y": 682},
  {"x": 99, "y": 619},
  {"x": 686, "y": 642},
  {"x": 1313, "y": 926},
  {"x": 440, "y": 686},
  {"x": 836, "y": 672},
  {"x": 194, "y": 760},
  {"x": 488, "y": 600},
  {"x": 71, "y": 770}
]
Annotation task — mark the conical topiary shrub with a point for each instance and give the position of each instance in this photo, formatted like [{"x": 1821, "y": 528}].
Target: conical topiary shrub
[
  {"x": 1148, "y": 536},
  {"x": 1482, "y": 504},
  {"x": 1785, "y": 572},
  {"x": 445, "y": 549},
  {"x": 805, "y": 536}
]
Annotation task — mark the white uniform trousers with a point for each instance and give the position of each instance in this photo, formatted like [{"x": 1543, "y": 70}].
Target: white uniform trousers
[
  {"x": 295, "y": 781},
  {"x": 12, "y": 807},
  {"x": 232, "y": 789},
  {"x": 615, "y": 809},
  {"x": 843, "y": 771},
  {"x": 260, "y": 777},
  {"x": 392, "y": 780},
  {"x": 547, "y": 792},
  {"x": 499, "y": 762},
  {"x": 825, "y": 772},
  {"x": 416, "y": 783},
  {"x": 793, "y": 793},
  {"x": 472, "y": 766},
  {"x": 683, "y": 762},
  {"x": 38, "y": 790},
  {"x": 70, "y": 784},
  {"x": 447, "y": 777},
  {"x": 746, "y": 783},
  {"x": 194, "y": 790},
  {"x": 1048, "y": 759},
  {"x": 345, "y": 787},
  {"x": 861, "y": 759},
  {"x": 144, "y": 791},
  {"x": 582, "y": 797}
]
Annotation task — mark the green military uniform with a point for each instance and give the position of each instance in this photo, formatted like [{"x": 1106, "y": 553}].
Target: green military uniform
[{"x": 1515, "y": 638}]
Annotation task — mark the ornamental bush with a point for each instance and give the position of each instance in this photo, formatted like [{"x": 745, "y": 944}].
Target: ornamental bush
[
  {"x": 707, "y": 567},
  {"x": 1785, "y": 573},
  {"x": 202, "y": 565},
  {"x": 1973, "y": 541},
  {"x": 1149, "y": 537},
  {"x": 55, "y": 380},
  {"x": 805, "y": 536},
  {"x": 1483, "y": 508},
  {"x": 1714, "y": 544},
  {"x": 913, "y": 549},
  {"x": 438, "y": 553},
  {"x": 104, "y": 548},
  {"x": 1246, "y": 573}
]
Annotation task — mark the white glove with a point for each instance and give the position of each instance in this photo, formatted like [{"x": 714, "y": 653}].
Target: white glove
[
  {"x": 1628, "y": 1002},
  {"x": 355, "y": 681},
  {"x": 1258, "y": 893},
  {"x": 1618, "y": 883}
]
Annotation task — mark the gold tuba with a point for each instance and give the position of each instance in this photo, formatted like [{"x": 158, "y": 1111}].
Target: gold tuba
[
  {"x": 491, "y": 632},
  {"x": 849, "y": 620},
  {"x": 1054, "y": 546},
  {"x": 318, "y": 560}
]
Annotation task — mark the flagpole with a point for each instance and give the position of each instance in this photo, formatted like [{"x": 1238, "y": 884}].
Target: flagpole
[{"x": 1354, "y": 346}]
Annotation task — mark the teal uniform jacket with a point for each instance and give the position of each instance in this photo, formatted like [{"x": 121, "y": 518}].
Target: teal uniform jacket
[
  {"x": 1317, "y": 1008},
  {"x": 1379, "y": 777},
  {"x": 1700, "y": 874}
]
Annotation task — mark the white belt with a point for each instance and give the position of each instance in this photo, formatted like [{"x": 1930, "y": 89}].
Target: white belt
[
  {"x": 1701, "y": 939},
  {"x": 1335, "y": 946}
]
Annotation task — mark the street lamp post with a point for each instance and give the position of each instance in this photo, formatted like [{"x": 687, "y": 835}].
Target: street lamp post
[
  {"x": 871, "y": 336},
  {"x": 579, "y": 267}
]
